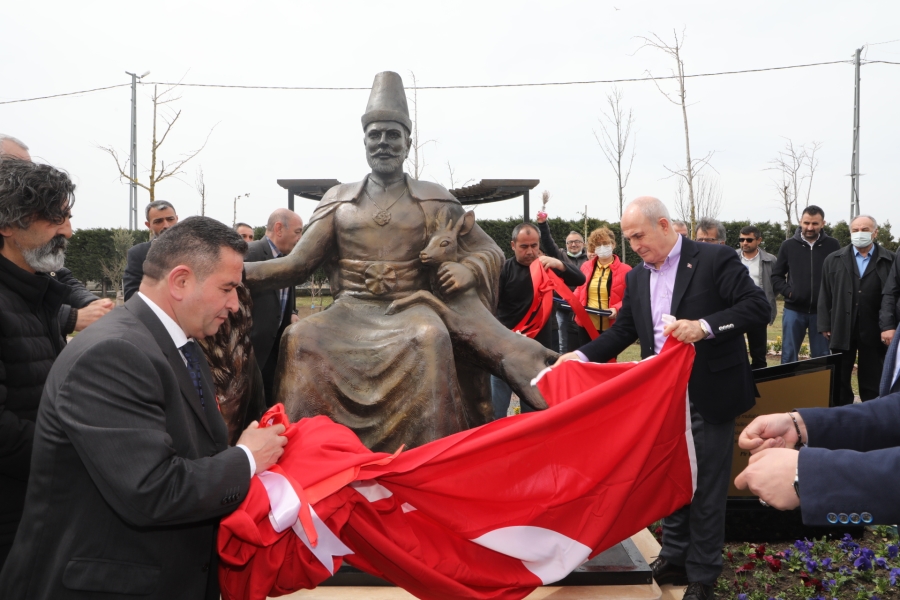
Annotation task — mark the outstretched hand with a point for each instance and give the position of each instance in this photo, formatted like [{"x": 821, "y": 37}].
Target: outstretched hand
[
  {"x": 93, "y": 311},
  {"x": 566, "y": 357}
]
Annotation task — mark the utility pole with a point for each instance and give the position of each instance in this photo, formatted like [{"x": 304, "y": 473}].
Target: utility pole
[
  {"x": 234, "y": 221},
  {"x": 132, "y": 187},
  {"x": 854, "y": 161}
]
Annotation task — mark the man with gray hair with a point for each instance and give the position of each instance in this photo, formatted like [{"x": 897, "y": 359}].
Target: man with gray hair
[
  {"x": 849, "y": 305},
  {"x": 160, "y": 216},
  {"x": 273, "y": 310},
  {"x": 699, "y": 294},
  {"x": 710, "y": 231},
  {"x": 13, "y": 148}
]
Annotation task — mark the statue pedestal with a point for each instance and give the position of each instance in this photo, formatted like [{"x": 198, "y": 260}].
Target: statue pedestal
[{"x": 613, "y": 565}]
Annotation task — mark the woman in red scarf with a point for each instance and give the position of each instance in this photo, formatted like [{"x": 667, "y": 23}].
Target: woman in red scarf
[{"x": 605, "y": 285}]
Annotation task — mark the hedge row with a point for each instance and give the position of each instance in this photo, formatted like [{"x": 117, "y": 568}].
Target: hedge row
[
  {"x": 773, "y": 233},
  {"x": 89, "y": 246}
]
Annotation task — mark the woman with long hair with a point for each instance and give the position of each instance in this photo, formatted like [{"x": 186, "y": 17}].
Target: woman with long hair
[{"x": 605, "y": 286}]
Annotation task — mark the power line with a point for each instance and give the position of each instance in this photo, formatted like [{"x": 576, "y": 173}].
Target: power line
[
  {"x": 100, "y": 89},
  {"x": 451, "y": 87}
]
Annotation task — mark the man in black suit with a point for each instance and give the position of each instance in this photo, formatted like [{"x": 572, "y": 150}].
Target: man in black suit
[
  {"x": 131, "y": 468},
  {"x": 273, "y": 310},
  {"x": 160, "y": 216},
  {"x": 701, "y": 294}
]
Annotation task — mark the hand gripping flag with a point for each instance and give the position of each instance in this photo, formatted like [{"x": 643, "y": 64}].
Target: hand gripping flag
[
  {"x": 545, "y": 282},
  {"x": 488, "y": 513}
]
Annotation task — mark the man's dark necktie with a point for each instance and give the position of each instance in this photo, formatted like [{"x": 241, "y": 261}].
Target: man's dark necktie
[{"x": 192, "y": 354}]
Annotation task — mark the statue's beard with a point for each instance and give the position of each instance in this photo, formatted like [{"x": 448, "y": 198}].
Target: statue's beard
[
  {"x": 386, "y": 166},
  {"x": 49, "y": 257}
]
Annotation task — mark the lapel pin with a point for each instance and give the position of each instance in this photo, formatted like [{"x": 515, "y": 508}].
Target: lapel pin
[{"x": 689, "y": 266}]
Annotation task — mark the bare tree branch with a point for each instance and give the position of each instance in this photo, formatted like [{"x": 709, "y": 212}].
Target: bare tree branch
[
  {"x": 200, "y": 186},
  {"x": 673, "y": 50},
  {"x": 161, "y": 173},
  {"x": 614, "y": 144}
]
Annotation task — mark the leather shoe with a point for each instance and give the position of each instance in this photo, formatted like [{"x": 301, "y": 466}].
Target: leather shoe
[
  {"x": 665, "y": 572},
  {"x": 699, "y": 591}
]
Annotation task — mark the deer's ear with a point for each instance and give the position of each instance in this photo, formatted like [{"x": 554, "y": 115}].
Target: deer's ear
[{"x": 466, "y": 223}]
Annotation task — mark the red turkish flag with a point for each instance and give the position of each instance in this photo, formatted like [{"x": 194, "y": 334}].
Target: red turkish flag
[{"x": 492, "y": 512}]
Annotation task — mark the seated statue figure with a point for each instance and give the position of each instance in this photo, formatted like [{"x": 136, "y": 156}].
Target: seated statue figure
[{"x": 399, "y": 378}]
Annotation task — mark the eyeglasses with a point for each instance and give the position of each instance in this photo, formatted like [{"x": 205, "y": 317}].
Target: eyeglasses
[
  {"x": 574, "y": 243},
  {"x": 748, "y": 240}
]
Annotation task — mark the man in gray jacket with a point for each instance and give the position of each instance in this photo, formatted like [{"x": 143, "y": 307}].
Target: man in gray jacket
[{"x": 759, "y": 263}]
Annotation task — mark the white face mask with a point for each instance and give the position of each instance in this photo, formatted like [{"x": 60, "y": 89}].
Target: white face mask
[
  {"x": 603, "y": 251},
  {"x": 861, "y": 239}
]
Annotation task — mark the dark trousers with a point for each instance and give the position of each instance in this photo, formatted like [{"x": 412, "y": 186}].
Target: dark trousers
[
  {"x": 501, "y": 395},
  {"x": 869, "y": 356},
  {"x": 268, "y": 373},
  {"x": 693, "y": 536},
  {"x": 757, "y": 340}
]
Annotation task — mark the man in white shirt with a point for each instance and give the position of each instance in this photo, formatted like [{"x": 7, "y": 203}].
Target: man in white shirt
[{"x": 129, "y": 438}]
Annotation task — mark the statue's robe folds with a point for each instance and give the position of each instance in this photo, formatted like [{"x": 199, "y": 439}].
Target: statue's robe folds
[{"x": 393, "y": 379}]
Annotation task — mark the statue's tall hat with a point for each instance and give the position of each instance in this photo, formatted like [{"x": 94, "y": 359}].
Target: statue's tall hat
[{"x": 387, "y": 102}]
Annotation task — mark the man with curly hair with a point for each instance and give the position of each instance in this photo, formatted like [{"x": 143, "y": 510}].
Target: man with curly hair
[{"x": 35, "y": 207}]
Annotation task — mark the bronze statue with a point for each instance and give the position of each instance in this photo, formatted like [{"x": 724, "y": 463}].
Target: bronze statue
[{"x": 414, "y": 370}]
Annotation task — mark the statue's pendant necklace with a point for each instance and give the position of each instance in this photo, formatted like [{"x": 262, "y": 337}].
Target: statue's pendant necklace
[{"x": 383, "y": 216}]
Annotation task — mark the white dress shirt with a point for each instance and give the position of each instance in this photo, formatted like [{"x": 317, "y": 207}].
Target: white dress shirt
[{"x": 179, "y": 338}]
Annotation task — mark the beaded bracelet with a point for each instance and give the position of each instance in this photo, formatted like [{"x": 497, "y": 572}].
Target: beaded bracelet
[{"x": 799, "y": 443}]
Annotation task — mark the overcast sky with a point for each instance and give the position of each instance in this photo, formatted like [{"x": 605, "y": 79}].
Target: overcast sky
[{"x": 541, "y": 133}]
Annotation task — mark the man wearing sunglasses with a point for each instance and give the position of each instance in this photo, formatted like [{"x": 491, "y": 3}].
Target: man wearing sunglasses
[{"x": 759, "y": 263}]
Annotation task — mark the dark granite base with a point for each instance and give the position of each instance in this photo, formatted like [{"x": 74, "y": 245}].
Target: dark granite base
[{"x": 620, "y": 565}]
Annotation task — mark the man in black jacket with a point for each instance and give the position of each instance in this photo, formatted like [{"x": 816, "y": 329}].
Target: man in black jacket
[
  {"x": 35, "y": 204},
  {"x": 160, "y": 216},
  {"x": 849, "y": 305},
  {"x": 890, "y": 303},
  {"x": 797, "y": 276},
  {"x": 83, "y": 307},
  {"x": 517, "y": 294}
]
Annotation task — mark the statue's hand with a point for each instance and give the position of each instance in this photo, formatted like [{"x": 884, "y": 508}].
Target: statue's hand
[{"x": 455, "y": 278}]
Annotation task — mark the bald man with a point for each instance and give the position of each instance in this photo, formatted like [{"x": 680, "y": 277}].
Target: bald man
[
  {"x": 13, "y": 148},
  {"x": 273, "y": 310},
  {"x": 701, "y": 294}
]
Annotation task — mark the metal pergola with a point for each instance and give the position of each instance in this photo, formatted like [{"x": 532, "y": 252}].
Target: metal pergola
[{"x": 483, "y": 192}]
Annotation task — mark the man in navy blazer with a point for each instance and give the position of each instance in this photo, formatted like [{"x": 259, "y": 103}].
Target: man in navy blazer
[
  {"x": 848, "y": 459},
  {"x": 699, "y": 293}
]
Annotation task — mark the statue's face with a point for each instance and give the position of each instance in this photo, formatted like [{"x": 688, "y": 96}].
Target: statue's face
[{"x": 387, "y": 146}]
